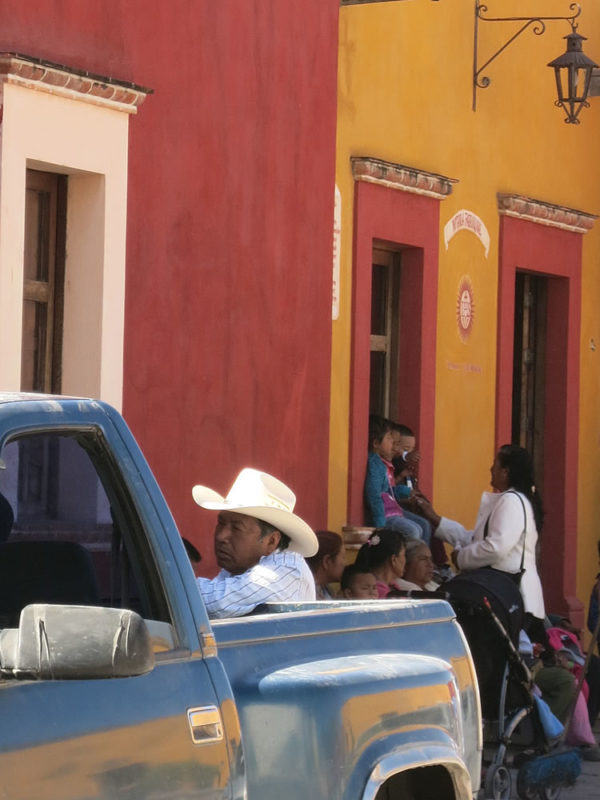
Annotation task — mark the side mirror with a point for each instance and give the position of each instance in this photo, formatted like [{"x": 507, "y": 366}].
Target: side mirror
[{"x": 56, "y": 642}]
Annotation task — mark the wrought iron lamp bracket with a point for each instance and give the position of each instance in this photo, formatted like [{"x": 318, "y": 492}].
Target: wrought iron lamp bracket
[{"x": 538, "y": 27}]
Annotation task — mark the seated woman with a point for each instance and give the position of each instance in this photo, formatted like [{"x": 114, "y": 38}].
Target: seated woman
[
  {"x": 328, "y": 563},
  {"x": 383, "y": 554},
  {"x": 418, "y": 572},
  {"x": 506, "y": 531}
]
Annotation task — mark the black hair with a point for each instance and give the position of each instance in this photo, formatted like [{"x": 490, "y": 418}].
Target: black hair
[
  {"x": 7, "y": 518},
  {"x": 381, "y": 545},
  {"x": 266, "y": 529},
  {"x": 519, "y": 464},
  {"x": 350, "y": 572},
  {"x": 403, "y": 430},
  {"x": 192, "y": 552},
  {"x": 378, "y": 427}
]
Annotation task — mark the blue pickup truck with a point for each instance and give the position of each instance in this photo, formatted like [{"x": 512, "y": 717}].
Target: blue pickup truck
[{"x": 114, "y": 684}]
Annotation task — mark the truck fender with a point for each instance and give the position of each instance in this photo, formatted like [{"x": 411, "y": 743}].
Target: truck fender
[{"x": 431, "y": 761}]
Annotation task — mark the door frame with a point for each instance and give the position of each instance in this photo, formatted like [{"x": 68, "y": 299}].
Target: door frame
[
  {"x": 389, "y": 207},
  {"x": 531, "y": 243}
]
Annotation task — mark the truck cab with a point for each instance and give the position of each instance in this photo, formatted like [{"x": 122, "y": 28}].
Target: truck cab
[{"x": 114, "y": 683}]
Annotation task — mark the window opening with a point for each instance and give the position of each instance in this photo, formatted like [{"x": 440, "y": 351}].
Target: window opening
[
  {"x": 385, "y": 326},
  {"x": 83, "y": 542}
]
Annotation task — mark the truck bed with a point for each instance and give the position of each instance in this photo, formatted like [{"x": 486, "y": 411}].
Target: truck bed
[{"x": 303, "y": 699}]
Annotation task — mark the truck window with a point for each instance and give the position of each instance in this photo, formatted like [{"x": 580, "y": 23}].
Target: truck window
[{"x": 76, "y": 537}]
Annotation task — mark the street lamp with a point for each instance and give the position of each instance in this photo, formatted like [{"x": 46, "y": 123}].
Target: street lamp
[{"x": 573, "y": 72}]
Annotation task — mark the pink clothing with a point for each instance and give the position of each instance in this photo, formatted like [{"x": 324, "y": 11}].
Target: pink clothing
[
  {"x": 390, "y": 470},
  {"x": 383, "y": 589},
  {"x": 580, "y": 730}
]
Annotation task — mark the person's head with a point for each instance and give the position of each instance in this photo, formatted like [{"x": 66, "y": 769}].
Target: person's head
[
  {"x": 419, "y": 563},
  {"x": 7, "y": 518},
  {"x": 329, "y": 562},
  {"x": 384, "y": 551},
  {"x": 381, "y": 437},
  {"x": 358, "y": 583},
  {"x": 192, "y": 551},
  {"x": 405, "y": 440},
  {"x": 255, "y": 519},
  {"x": 241, "y": 541},
  {"x": 513, "y": 469}
]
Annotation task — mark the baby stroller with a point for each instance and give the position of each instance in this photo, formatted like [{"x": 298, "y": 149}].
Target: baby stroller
[{"x": 489, "y": 608}]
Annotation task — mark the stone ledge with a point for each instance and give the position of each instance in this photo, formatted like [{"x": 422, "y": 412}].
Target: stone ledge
[
  {"x": 362, "y": 2},
  {"x": 398, "y": 176},
  {"x": 569, "y": 219},
  {"x": 76, "y": 84}
]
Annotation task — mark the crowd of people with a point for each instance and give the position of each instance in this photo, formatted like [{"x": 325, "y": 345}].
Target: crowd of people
[{"x": 268, "y": 554}]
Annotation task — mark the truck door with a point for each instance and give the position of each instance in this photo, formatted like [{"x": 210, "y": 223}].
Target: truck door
[{"x": 82, "y": 536}]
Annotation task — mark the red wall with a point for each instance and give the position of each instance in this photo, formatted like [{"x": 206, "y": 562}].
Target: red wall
[{"x": 227, "y": 345}]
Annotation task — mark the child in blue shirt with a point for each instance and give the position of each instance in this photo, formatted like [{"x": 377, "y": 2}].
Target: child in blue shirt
[{"x": 381, "y": 506}]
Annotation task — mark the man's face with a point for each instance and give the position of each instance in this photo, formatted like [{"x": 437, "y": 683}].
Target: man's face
[
  {"x": 238, "y": 544},
  {"x": 397, "y": 439},
  {"x": 406, "y": 444}
]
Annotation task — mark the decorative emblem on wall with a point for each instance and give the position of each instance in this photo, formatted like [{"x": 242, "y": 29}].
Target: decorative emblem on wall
[
  {"x": 465, "y": 308},
  {"x": 465, "y": 220}
]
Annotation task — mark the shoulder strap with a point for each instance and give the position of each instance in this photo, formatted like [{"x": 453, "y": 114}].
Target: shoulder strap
[
  {"x": 512, "y": 491},
  {"x": 487, "y": 522}
]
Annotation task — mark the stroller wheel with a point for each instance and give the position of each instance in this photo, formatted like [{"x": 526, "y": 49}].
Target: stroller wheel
[
  {"x": 497, "y": 783},
  {"x": 550, "y": 794}
]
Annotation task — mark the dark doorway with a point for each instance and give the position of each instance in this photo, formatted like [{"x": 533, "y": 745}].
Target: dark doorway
[
  {"x": 529, "y": 373},
  {"x": 385, "y": 327},
  {"x": 43, "y": 283},
  {"x": 41, "y": 338}
]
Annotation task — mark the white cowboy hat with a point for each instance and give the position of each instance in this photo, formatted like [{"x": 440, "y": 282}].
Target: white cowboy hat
[{"x": 262, "y": 496}]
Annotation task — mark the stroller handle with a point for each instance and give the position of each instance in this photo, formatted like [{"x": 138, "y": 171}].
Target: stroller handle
[{"x": 515, "y": 653}]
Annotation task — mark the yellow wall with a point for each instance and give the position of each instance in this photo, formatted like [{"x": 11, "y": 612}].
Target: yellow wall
[{"x": 405, "y": 95}]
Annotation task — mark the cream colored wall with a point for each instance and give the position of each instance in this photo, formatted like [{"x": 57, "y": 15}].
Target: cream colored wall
[
  {"x": 405, "y": 94},
  {"x": 88, "y": 143}
]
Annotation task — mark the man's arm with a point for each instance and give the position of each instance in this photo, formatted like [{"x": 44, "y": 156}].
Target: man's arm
[{"x": 276, "y": 578}]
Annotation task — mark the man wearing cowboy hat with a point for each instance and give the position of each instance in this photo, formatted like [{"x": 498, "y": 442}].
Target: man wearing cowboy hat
[{"x": 260, "y": 545}]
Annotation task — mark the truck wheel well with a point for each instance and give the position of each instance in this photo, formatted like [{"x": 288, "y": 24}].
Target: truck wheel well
[{"x": 422, "y": 783}]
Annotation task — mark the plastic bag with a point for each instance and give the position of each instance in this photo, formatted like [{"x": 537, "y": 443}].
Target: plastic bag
[{"x": 552, "y": 726}]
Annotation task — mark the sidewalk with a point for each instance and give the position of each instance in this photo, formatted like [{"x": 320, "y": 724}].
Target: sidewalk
[{"x": 587, "y": 786}]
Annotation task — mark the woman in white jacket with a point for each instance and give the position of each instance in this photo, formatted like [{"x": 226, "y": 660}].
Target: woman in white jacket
[{"x": 506, "y": 531}]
